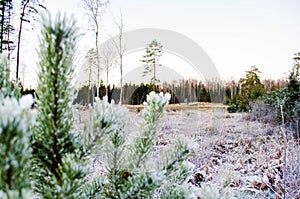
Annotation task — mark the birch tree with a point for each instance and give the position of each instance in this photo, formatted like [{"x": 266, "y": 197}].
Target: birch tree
[
  {"x": 108, "y": 56},
  {"x": 121, "y": 51},
  {"x": 94, "y": 10}
]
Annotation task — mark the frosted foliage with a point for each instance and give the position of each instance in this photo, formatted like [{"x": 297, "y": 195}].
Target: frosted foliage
[
  {"x": 130, "y": 170},
  {"x": 15, "y": 194},
  {"x": 153, "y": 110},
  {"x": 156, "y": 101},
  {"x": 26, "y": 101},
  {"x": 16, "y": 120},
  {"x": 13, "y": 112},
  {"x": 154, "y": 106},
  {"x": 109, "y": 117}
]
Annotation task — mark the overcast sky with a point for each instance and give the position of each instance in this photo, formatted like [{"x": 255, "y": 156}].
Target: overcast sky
[{"x": 235, "y": 34}]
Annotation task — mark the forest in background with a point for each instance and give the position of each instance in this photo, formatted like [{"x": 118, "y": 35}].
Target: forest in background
[{"x": 184, "y": 91}]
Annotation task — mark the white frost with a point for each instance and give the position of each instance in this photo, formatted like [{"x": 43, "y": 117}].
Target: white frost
[
  {"x": 26, "y": 101},
  {"x": 13, "y": 113}
]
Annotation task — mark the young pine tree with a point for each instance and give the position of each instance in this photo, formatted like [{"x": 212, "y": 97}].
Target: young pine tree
[
  {"x": 58, "y": 167},
  {"x": 129, "y": 168},
  {"x": 251, "y": 90},
  {"x": 16, "y": 121}
]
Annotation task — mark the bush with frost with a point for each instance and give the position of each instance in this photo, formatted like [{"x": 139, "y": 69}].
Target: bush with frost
[{"x": 130, "y": 170}]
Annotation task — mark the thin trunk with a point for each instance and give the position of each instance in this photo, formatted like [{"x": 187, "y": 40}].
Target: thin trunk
[
  {"x": 98, "y": 58},
  {"x": 89, "y": 85},
  {"x": 19, "y": 38},
  {"x": 56, "y": 158},
  {"x": 154, "y": 74},
  {"x": 2, "y": 24},
  {"x": 106, "y": 84},
  {"x": 121, "y": 57},
  {"x": 121, "y": 80},
  {"x": 23, "y": 75},
  {"x": 8, "y": 34}
]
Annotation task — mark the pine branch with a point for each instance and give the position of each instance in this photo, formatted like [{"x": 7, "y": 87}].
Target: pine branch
[
  {"x": 93, "y": 188},
  {"x": 180, "y": 157},
  {"x": 94, "y": 142}
]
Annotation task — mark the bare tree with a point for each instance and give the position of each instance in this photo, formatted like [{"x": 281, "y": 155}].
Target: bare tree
[
  {"x": 24, "y": 5},
  {"x": 121, "y": 51},
  {"x": 107, "y": 57},
  {"x": 27, "y": 7},
  {"x": 94, "y": 10},
  {"x": 118, "y": 43}
]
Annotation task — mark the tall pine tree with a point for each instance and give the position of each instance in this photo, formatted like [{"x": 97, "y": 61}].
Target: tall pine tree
[{"x": 153, "y": 52}]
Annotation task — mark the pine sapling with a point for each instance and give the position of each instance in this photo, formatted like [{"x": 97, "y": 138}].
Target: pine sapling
[
  {"x": 58, "y": 169},
  {"x": 129, "y": 169},
  {"x": 16, "y": 121}
]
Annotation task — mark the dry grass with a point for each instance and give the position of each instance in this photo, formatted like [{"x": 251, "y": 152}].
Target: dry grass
[
  {"x": 178, "y": 107},
  {"x": 236, "y": 157}
]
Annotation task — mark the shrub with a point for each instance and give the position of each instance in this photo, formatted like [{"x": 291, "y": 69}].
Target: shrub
[
  {"x": 286, "y": 100},
  {"x": 262, "y": 112},
  {"x": 251, "y": 89},
  {"x": 238, "y": 103}
]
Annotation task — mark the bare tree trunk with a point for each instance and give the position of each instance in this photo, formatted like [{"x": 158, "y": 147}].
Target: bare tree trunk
[
  {"x": 121, "y": 53},
  {"x": 97, "y": 59},
  {"x": 121, "y": 80},
  {"x": 2, "y": 24},
  {"x": 106, "y": 84},
  {"x": 154, "y": 76},
  {"x": 19, "y": 38},
  {"x": 89, "y": 85},
  {"x": 8, "y": 37}
]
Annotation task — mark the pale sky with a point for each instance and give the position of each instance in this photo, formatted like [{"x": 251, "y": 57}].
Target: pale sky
[{"x": 235, "y": 34}]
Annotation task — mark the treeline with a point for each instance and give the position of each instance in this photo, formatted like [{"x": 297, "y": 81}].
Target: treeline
[
  {"x": 184, "y": 91},
  {"x": 133, "y": 94}
]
